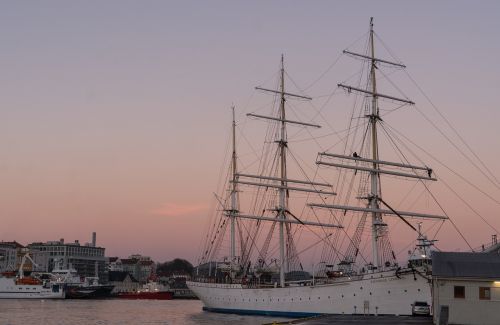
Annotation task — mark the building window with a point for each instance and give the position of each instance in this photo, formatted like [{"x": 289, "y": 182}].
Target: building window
[
  {"x": 484, "y": 293},
  {"x": 459, "y": 292}
]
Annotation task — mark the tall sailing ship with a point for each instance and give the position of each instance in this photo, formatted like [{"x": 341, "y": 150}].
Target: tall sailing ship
[{"x": 350, "y": 279}]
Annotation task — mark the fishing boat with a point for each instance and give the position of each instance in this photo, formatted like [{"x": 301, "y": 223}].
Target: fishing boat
[
  {"x": 78, "y": 287},
  {"x": 20, "y": 286},
  {"x": 359, "y": 272}
]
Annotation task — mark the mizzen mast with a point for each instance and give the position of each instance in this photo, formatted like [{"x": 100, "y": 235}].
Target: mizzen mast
[
  {"x": 282, "y": 191},
  {"x": 374, "y": 174},
  {"x": 372, "y": 164}
]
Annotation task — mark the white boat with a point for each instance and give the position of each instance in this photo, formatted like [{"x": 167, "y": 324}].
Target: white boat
[
  {"x": 26, "y": 287},
  {"x": 12, "y": 288},
  {"x": 389, "y": 291},
  {"x": 354, "y": 278}
]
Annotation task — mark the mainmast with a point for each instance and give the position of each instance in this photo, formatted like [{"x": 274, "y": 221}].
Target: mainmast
[
  {"x": 282, "y": 191},
  {"x": 374, "y": 174},
  {"x": 279, "y": 182},
  {"x": 234, "y": 203}
]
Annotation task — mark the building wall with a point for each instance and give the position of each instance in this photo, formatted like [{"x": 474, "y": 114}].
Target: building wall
[
  {"x": 85, "y": 259},
  {"x": 470, "y": 309},
  {"x": 11, "y": 256},
  {"x": 127, "y": 285},
  {"x": 8, "y": 258},
  {"x": 132, "y": 269},
  {"x": 146, "y": 271}
]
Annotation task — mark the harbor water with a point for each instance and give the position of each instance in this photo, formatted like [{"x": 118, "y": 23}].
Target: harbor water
[{"x": 116, "y": 311}]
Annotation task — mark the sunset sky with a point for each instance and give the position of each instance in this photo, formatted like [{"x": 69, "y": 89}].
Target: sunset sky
[{"x": 114, "y": 115}]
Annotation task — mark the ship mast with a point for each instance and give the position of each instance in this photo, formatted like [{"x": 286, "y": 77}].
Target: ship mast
[
  {"x": 234, "y": 203},
  {"x": 280, "y": 183},
  {"x": 282, "y": 191},
  {"x": 373, "y": 165},
  {"x": 374, "y": 174}
]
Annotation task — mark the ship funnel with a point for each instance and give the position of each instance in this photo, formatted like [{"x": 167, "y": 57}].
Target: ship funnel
[{"x": 93, "y": 239}]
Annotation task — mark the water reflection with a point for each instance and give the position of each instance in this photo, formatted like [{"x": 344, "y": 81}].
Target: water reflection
[{"x": 115, "y": 311}]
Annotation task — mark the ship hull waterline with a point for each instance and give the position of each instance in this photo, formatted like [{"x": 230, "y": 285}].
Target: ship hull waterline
[{"x": 374, "y": 294}]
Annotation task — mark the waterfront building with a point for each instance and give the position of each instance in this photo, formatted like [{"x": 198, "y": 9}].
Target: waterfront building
[
  {"x": 466, "y": 287},
  {"x": 123, "y": 282},
  {"x": 11, "y": 256},
  {"x": 115, "y": 264},
  {"x": 87, "y": 259},
  {"x": 140, "y": 267},
  {"x": 9, "y": 252}
]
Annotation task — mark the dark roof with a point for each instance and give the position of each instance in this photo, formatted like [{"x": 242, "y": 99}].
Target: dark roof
[
  {"x": 13, "y": 244},
  {"x": 129, "y": 261},
  {"x": 113, "y": 259},
  {"x": 119, "y": 276},
  {"x": 466, "y": 265}
]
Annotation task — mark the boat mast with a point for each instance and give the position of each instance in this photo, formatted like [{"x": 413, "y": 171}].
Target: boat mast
[
  {"x": 374, "y": 174},
  {"x": 282, "y": 190},
  {"x": 234, "y": 203},
  {"x": 423, "y": 173}
]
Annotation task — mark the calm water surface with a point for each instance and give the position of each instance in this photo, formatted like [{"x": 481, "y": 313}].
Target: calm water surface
[{"x": 116, "y": 311}]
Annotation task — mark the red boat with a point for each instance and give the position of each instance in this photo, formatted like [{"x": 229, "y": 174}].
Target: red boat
[
  {"x": 159, "y": 295},
  {"x": 151, "y": 290}
]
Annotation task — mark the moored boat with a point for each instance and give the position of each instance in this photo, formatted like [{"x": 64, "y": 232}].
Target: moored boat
[
  {"x": 27, "y": 287},
  {"x": 77, "y": 287},
  {"x": 151, "y": 290},
  {"x": 360, "y": 271}
]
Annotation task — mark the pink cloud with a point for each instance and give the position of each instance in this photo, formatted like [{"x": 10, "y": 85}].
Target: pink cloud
[{"x": 175, "y": 210}]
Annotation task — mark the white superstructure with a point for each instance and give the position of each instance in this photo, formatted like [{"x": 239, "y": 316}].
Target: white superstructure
[{"x": 12, "y": 288}]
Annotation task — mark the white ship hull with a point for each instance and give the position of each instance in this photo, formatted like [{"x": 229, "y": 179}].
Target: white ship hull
[
  {"x": 381, "y": 293},
  {"x": 10, "y": 290}
]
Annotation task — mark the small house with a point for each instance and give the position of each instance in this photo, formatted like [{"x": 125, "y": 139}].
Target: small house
[{"x": 466, "y": 288}]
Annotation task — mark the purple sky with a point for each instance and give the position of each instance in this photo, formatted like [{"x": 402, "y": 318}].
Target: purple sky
[{"x": 114, "y": 115}]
